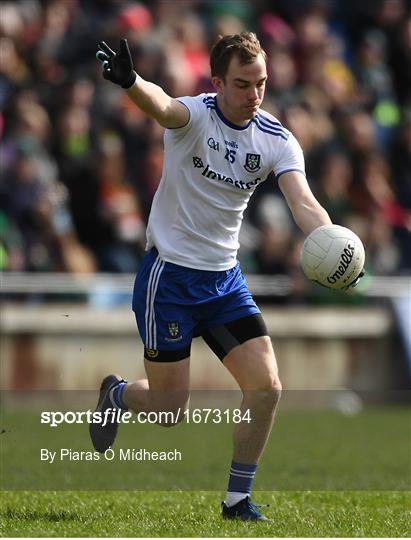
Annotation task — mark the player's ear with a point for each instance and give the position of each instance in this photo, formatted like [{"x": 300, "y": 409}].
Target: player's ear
[{"x": 217, "y": 82}]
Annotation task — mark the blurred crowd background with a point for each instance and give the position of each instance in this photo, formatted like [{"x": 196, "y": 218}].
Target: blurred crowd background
[{"x": 80, "y": 163}]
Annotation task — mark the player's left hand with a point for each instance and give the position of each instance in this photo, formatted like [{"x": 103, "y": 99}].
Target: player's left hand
[
  {"x": 117, "y": 67},
  {"x": 354, "y": 283}
]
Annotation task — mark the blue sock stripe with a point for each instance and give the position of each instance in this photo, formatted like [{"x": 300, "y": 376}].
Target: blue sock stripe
[
  {"x": 117, "y": 395},
  {"x": 244, "y": 467},
  {"x": 241, "y": 477}
]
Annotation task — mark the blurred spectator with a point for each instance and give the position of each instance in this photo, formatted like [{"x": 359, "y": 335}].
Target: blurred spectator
[
  {"x": 358, "y": 131},
  {"x": 377, "y": 84},
  {"x": 333, "y": 186},
  {"x": 38, "y": 208},
  {"x": 374, "y": 200},
  {"x": 401, "y": 61},
  {"x": 276, "y": 239},
  {"x": 118, "y": 206},
  {"x": 401, "y": 182}
]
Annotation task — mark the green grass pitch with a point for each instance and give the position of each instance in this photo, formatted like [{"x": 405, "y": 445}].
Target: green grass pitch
[
  {"x": 196, "y": 514},
  {"x": 323, "y": 473}
]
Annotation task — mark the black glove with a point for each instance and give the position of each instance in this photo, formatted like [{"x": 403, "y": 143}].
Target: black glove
[
  {"x": 117, "y": 68},
  {"x": 354, "y": 283}
]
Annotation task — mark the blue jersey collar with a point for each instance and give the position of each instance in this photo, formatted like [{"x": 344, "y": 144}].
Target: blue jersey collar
[{"x": 226, "y": 121}]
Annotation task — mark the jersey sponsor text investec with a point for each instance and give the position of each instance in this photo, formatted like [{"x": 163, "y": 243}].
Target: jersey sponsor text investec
[{"x": 209, "y": 173}]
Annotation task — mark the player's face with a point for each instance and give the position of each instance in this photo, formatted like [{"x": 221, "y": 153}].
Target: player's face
[{"x": 241, "y": 92}]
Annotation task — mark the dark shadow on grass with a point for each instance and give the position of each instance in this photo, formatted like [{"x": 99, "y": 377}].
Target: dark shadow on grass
[{"x": 44, "y": 515}]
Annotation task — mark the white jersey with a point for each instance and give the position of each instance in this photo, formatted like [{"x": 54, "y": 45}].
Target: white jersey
[{"x": 211, "y": 168}]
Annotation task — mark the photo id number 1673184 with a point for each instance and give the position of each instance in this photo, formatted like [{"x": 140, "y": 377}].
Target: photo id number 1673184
[{"x": 216, "y": 416}]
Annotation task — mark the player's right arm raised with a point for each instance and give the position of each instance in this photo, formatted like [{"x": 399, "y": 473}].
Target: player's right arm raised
[{"x": 150, "y": 98}]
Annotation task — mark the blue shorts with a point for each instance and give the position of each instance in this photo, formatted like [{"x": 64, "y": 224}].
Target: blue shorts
[{"x": 173, "y": 303}]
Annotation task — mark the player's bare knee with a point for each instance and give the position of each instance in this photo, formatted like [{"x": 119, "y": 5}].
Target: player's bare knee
[
  {"x": 173, "y": 408},
  {"x": 266, "y": 391},
  {"x": 275, "y": 384},
  {"x": 265, "y": 377},
  {"x": 275, "y": 389},
  {"x": 271, "y": 390}
]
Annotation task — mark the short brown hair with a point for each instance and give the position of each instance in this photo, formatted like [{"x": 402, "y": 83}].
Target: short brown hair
[{"x": 245, "y": 45}]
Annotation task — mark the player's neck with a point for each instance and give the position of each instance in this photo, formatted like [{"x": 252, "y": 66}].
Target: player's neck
[{"x": 228, "y": 115}]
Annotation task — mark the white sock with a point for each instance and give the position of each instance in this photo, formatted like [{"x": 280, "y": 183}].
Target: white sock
[{"x": 233, "y": 497}]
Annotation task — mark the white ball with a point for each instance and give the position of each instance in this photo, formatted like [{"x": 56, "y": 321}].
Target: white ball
[{"x": 332, "y": 256}]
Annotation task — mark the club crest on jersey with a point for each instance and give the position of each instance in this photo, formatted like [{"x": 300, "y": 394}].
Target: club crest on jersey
[
  {"x": 173, "y": 329},
  {"x": 252, "y": 162}
]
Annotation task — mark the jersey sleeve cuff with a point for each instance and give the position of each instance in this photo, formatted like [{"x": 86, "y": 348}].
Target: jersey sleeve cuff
[{"x": 277, "y": 176}]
